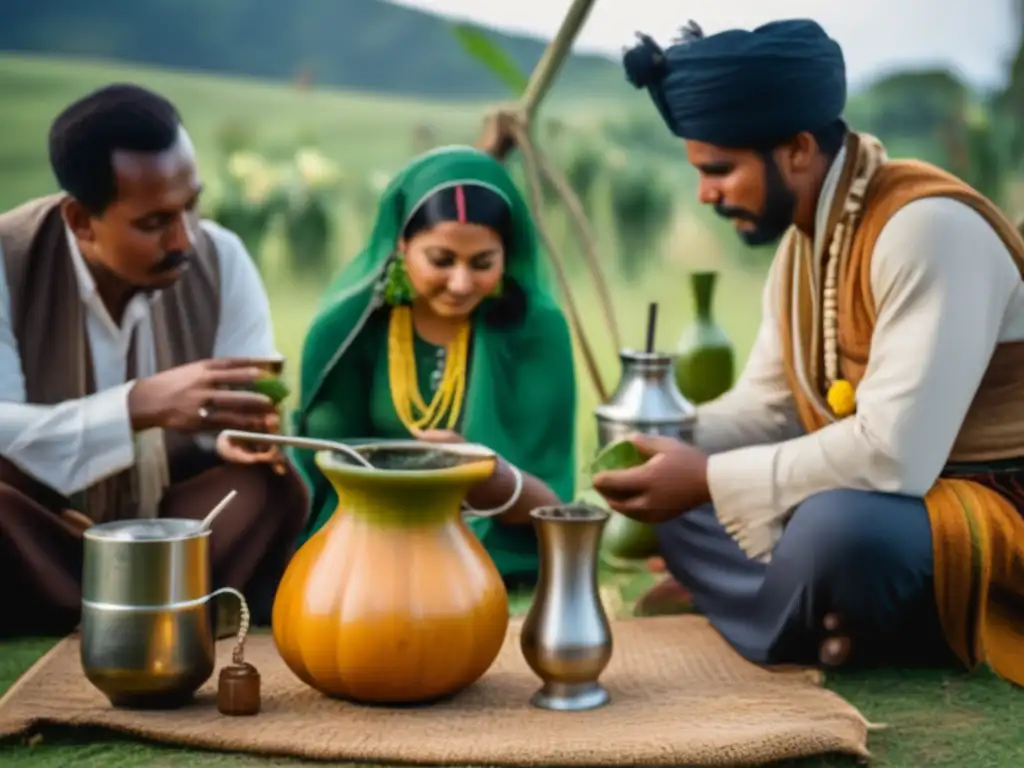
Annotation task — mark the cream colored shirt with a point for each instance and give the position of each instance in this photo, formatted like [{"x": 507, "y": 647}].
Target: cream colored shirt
[
  {"x": 947, "y": 291},
  {"x": 72, "y": 445}
]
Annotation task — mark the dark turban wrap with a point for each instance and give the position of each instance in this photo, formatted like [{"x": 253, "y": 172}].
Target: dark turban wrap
[{"x": 743, "y": 89}]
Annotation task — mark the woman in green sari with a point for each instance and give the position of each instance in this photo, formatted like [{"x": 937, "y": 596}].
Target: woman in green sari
[{"x": 445, "y": 329}]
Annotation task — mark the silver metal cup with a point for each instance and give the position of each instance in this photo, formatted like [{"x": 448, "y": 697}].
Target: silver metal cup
[
  {"x": 146, "y": 635},
  {"x": 566, "y": 638}
]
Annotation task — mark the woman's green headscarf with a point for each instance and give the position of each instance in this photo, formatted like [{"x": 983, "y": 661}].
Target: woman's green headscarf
[{"x": 521, "y": 396}]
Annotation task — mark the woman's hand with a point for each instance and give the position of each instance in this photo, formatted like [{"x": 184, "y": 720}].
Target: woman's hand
[
  {"x": 486, "y": 489},
  {"x": 497, "y": 490}
]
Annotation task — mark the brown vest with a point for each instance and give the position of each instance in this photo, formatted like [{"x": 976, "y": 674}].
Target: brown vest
[
  {"x": 48, "y": 321},
  {"x": 994, "y": 426}
]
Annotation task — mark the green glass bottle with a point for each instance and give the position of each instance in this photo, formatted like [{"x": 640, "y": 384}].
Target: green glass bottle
[{"x": 705, "y": 359}]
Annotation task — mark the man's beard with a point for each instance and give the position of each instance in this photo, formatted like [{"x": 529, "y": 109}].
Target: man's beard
[{"x": 777, "y": 216}]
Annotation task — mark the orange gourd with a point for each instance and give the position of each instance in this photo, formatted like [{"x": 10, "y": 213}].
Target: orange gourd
[{"x": 394, "y": 600}]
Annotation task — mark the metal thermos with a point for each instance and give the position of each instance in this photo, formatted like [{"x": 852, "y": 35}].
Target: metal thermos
[{"x": 647, "y": 401}]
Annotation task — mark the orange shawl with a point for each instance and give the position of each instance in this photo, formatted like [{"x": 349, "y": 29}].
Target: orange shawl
[{"x": 978, "y": 535}]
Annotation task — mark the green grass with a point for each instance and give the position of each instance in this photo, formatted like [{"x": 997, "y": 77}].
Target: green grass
[{"x": 936, "y": 718}]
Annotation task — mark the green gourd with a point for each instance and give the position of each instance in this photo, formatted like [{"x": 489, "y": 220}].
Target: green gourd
[
  {"x": 705, "y": 360},
  {"x": 621, "y": 454},
  {"x": 627, "y": 539},
  {"x": 623, "y": 537},
  {"x": 273, "y": 387}
]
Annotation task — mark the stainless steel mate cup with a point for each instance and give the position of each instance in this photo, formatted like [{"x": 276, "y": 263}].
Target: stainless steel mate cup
[
  {"x": 566, "y": 638},
  {"x": 146, "y": 635}
]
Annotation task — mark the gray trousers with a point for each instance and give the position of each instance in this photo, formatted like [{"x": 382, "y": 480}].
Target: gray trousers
[{"x": 866, "y": 557}]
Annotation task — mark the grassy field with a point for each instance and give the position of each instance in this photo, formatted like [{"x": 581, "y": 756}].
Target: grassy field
[{"x": 936, "y": 719}]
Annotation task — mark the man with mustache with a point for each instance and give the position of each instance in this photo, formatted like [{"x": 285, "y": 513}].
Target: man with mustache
[
  {"x": 128, "y": 329},
  {"x": 856, "y": 497}
]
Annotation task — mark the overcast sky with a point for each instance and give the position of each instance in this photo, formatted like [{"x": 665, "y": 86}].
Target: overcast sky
[{"x": 974, "y": 36}]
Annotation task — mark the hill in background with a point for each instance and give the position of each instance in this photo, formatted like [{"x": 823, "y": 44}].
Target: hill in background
[{"x": 363, "y": 45}]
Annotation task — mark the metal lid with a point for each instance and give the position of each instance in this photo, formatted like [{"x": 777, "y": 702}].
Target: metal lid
[
  {"x": 159, "y": 529},
  {"x": 647, "y": 393}
]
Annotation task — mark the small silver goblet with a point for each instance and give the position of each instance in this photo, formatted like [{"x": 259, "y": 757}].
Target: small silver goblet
[{"x": 566, "y": 638}]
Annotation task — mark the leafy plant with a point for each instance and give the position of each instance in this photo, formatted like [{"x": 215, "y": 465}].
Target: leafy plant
[
  {"x": 308, "y": 215},
  {"x": 642, "y": 205},
  {"x": 309, "y": 230},
  {"x": 979, "y": 140},
  {"x": 250, "y": 198},
  {"x": 475, "y": 42},
  {"x": 584, "y": 164}
]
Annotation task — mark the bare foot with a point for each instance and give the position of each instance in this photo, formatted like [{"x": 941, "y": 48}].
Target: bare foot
[{"x": 835, "y": 650}]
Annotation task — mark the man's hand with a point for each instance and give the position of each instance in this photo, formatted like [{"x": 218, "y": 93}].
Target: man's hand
[
  {"x": 79, "y": 522},
  {"x": 197, "y": 397},
  {"x": 241, "y": 452},
  {"x": 673, "y": 480}
]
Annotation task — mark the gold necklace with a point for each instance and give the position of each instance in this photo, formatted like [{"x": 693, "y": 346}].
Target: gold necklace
[{"x": 413, "y": 411}]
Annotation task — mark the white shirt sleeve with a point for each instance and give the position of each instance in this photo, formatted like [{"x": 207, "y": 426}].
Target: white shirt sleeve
[
  {"x": 245, "y": 328},
  {"x": 942, "y": 282},
  {"x": 69, "y": 446},
  {"x": 760, "y": 407}
]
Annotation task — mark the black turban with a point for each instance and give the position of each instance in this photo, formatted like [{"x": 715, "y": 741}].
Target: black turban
[{"x": 743, "y": 89}]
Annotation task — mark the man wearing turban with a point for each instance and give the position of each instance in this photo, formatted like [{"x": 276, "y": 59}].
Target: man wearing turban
[{"x": 857, "y": 496}]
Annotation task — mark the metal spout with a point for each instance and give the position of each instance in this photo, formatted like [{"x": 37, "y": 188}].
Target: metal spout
[{"x": 566, "y": 638}]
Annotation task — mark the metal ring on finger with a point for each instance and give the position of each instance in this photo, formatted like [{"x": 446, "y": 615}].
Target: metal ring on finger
[{"x": 204, "y": 412}]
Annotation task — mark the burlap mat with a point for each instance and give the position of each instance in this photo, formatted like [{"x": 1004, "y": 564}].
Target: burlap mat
[{"x": 681, "y": 696}]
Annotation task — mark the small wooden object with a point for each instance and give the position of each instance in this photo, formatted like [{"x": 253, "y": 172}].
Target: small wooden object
[
  {"x": 238, "y": 687},
  {"x": 238, "y": 690}
]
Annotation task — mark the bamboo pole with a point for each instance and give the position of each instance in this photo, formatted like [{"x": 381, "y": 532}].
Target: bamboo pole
[
  {"x": 496, "y": 137},
  {"x": 543, "y": 76},
  {"x": 510, "y": 125}
]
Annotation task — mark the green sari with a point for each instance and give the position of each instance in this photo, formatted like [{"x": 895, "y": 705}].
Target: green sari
[{"x": 521, "y": 391}]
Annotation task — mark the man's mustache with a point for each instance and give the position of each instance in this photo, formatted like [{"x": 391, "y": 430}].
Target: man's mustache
[
  {"x": 172, "y": 261},
  {"x": 732, "y": 212}
]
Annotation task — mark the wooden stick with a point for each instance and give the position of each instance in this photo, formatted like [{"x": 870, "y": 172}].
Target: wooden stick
[{"x": 543, "y": 76}]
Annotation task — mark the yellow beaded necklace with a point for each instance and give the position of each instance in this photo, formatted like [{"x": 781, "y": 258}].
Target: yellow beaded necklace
[{"x": 405, "y": 389}]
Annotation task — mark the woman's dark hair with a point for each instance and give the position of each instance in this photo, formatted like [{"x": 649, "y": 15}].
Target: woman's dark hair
[{"x": 475, "y": 204}]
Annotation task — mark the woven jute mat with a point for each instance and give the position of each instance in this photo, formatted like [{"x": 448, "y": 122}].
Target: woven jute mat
[{"x": 680, "y": 696}]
